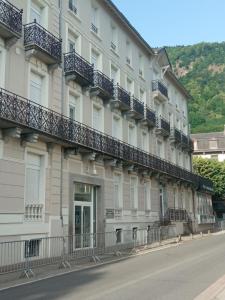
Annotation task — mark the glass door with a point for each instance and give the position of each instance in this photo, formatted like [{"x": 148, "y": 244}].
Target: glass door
[{"x": 84, "y": 215}]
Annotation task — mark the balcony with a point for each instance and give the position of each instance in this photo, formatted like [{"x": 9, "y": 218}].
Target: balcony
[
  {"x": 159, "y": 90},
  {"x": 149, "y": 117},
  {"x": 122, "y": 99},
  {"x": 42, "y": 44},
  {"x": 175, "y": 136},
  {"x": 103, "y": 86},
  {"x": 162, "y": 127},
  {"x": 184, "y": 142},
  {"x": 206, "y": 219},
  {"x": 177, "y": 215},
  {"x": 10, "y": 21},
  {"x": 28, "y": 117},
  {"x": 78, "y": 69},
  {"x": 34, "y": 212},
  {"x": 137, "y": 109}
]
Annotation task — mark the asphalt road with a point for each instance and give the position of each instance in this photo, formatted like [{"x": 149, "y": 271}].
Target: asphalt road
[{"x": 176, "y": 273}]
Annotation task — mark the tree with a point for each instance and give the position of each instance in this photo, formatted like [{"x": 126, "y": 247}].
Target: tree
[{"x": 211, "y": 169}]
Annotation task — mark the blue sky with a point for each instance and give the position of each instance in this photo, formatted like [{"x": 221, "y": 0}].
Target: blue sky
[{"x": 176, "y": 22}]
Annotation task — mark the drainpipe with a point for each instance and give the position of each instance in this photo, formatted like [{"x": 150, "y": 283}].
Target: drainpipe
[{"x": 62, "y": 108}]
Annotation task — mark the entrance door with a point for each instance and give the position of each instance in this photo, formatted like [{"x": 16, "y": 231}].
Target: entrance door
[
  {"x": 84, "y": 206},
  {"x": 163, "y": 200}
]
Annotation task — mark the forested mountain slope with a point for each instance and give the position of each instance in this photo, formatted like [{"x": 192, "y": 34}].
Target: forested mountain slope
[{"x": 201, "y": 68}]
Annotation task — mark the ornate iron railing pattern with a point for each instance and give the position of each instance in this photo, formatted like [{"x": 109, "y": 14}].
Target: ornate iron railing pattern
[
  {"x": 27, "y": 114},
  {"x": 137, "y": 106},
  {"x": 36, "y": 35},
  {"x": 74, "y": 63},
  {"x": 104, "y": 83},
  {"x": 122, "y": 95},
  {"x": 175, "y": 134},
  {"x": 157, "y": 85},
  {"x": 185, "y": 140},
  {"x": 11, "y": 17},
  {"x": 162, "y": 123},
  {"x": 150, "y": 115},
  {"x": 177, "y": 215}
]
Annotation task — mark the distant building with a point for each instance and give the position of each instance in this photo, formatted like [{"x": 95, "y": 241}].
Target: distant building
[{"x": 209, "y": 145}]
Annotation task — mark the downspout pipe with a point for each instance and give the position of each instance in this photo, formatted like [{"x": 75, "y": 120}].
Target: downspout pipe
[{"x": 62, "y": 108}]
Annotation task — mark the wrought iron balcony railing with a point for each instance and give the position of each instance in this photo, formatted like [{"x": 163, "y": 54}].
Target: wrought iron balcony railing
[
  {"x": 48, "y": 47},
  {"x": 137, "y": 108},
  {"x": 163, "y": 126},
  {"x": 177, "y": 215},
  {"x": 23, "y": 113},
  {"x": 175, "y": 136},
  {"x": 158, "y": 86},
  {"x": 79, "y": 68},
  {"x": 10, "y": 20},
  {"x": 103, "y": 85},
  {"x": 150, "y": 116},
  {"x": 122, "y": 97}
]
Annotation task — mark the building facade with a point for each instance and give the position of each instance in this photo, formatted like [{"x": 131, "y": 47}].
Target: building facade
[
  {"x": 93, "y": 125},
  {"x": 209, "y": 145}
]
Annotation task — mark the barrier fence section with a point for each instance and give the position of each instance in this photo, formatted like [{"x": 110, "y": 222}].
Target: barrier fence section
[{"x": 25, "y": 255}]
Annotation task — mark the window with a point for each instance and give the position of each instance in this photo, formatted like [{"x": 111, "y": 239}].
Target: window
[
  {"x": 144, "y": 141},
  {"x": 160, "y": 150},
  {"x": 117, "y": 191},
  {"x": 71, "y": 46},
  {"x": 114, "y": 38},
  {"x": 213, "y": 144},
  {"x": 117, "y": 127},
  {"x": 32, "y": 248},
  {"x": 133, "y": 193},
  {"x": 98, "y": 118},
  {"x": 130, "y": 86},
  {"x": 36, "y": 13},
  {"x": 94, "y": 19},
  {"x": 179, "y": 162},
  {"x": 132, "y": 137},
  {"x": 115, "y": 74},
  {"x": 73, "y": 42},
  {"x": 147, "y": 195},
  {"x": 134, "y": 233},
  {"x": 141, "y": 65},
  {"x": 95, "y": 60},
  {"x": 173, "y": 155},
  {"x": 142, "y": 95},
  {"x": 72, "y": 6},
  {"x": 36, "y": 87},
  {"x": 214, "y": 156},
  {"x": 74, "y": 108},
  {"x": 129, "y": 53},
  {"x": 33, "y": 180},
  {"x": 118, "y": 235}
]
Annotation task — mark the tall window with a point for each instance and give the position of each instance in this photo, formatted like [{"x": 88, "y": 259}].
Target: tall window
[
  {"x": 36, "y": 13},
  {"x": 36, "y": 87},
  {"x": 117, "y": 191},
  {"x": 130, "y": 86},
  {"x": 142, "y": 95},
  {"x": 128, "y": 53},
  {"x": 74, "y": 108},
  {"x": 160, "y": 150},
  {"x": 94, "y": 19},
  {"x": 134, "y": 192},
  {"x": 95, "y": 60},
  {"x": 115, "y": 74},
  {"x": 73, "y": 6},
  {"x": 98, "y": 118},
  {"x": 132, "y": 137},
  {"x": 117, "y": 127},
  {"x": 33, "y": 179},
  {"x": 147, "y": 195},
  {"x": 144, "y": 141},
  {"x": 113, "y": 37},
  {"x": 141, "y": 65}
]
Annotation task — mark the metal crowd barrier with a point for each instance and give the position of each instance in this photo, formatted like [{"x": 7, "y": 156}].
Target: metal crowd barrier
[{"x": 25, "y": 255}]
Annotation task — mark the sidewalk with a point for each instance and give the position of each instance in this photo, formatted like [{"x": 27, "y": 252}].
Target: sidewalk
[
  {"x": 47, "y": 271},
  {"x": 216, "y": 291}
]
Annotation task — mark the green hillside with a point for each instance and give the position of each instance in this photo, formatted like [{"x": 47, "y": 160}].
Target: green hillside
[{"x": 201, "y": 68}]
